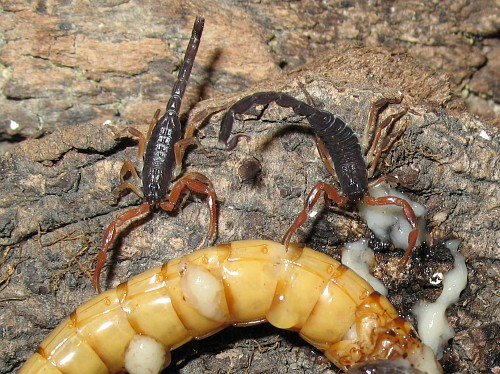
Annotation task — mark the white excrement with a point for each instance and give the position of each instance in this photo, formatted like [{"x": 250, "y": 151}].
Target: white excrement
[
  {"x": 433, "y": 326},
  {"x": 388, "y": 222},
  {"x": 360, "y": 258}
]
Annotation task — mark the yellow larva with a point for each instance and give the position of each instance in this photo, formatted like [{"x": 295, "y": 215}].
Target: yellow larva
[{"x": 238, "y": 283}]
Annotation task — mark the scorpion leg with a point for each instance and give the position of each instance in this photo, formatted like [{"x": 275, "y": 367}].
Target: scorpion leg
[
  {"x": 306, "y": 93},
  {"x": 201, "y": 116},
  {"x": 198, "y": 183},
  {"x": 144, "y": 139},
  {"x": 311, "y": 200},
  {"x": 180, "y": 149},
  {"x": 127, "y": 186},
  {"x": 378, "y": 146},
  {"x": 408, "y": 213},
  {"x": 152, "y": 125},
  {"x": 134, "y": 133},
  {"x": 375, "y": 110},
  {"x": 325, "y": 156},
  {"x": 140, "y": 136},
  {"x": 110, "y": 235},
  {"x": 127, "y": 168},
  {"x": 384, "y": 178},
  {"x": 141, "y": 140}
]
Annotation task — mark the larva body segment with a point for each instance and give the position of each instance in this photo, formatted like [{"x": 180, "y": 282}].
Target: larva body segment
[{"x": 239, "y": 283}]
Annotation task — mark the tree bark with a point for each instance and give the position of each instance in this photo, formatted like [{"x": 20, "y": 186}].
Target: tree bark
[{"x": 117, "y": 62}]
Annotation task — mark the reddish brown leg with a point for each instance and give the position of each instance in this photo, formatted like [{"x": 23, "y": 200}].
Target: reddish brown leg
[
  {"x": 198, "y": 183},
  {"x": 200, "y": 117},
  {"x": 325, "y": 156},
  {"x": 309, "y": 98},
  {"x": 141, "y": 140},
  {"x": 180, "y": 148},
  {"x": 384, "y": 178},
  {"x": 110, "y": 235},
  {"x": 128, "y": 167},
  {"x": 312, "y": 199},
  {"x": 378, "y": 146},
  {"x": 125, "y": 185},
  {"x": 410, "y": 217},
  {"x": 375, "y": 109}
]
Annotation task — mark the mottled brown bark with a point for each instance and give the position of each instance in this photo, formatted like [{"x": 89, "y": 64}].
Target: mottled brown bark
[{"x": 70, "y": 67}]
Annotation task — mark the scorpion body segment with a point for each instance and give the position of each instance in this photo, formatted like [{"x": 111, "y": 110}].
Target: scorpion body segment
[
  {"x": 239, "y": 283},
  {"x": 163, "y": 153},
  {"x": 338, "y": 137},
  {"x": 158, "y": 164},
  {"x": 337, "y": 143}
]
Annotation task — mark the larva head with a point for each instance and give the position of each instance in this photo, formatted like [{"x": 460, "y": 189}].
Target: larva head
[
  {"x": 382, "y": 335},
  {"x": 398, "y": 340}
]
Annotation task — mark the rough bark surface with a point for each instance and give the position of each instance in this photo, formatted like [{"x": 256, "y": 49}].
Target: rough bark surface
[{"x": 69, "y": 67}]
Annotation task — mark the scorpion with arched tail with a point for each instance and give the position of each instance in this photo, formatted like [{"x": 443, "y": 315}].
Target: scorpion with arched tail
[{"x": 336, "y": 141}]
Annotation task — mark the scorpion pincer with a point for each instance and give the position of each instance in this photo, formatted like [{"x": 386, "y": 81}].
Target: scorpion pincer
[
  {"x": 164, "y": 151},
  {"x": 337, "y": 142},
  {"x": 240, "y": 283}
]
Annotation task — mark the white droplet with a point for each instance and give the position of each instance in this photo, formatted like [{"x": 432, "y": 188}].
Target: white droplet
[{"x": 13, "y": 125}]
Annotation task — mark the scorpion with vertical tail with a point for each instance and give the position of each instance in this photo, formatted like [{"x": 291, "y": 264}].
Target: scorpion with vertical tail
[
  {"x": 163, "y": 153},
  {"x": 336, "y": 141}
]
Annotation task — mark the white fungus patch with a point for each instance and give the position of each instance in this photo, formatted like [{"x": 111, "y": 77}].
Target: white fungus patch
[
  {"x": 360, "y": 258},
  {"x": 388, "y": 222},
  {"x": 145, "y": 355},
  {"x": 433, "y": 326}
]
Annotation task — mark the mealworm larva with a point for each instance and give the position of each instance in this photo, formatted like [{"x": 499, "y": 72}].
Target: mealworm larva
[{"x": 239, "y": 283}]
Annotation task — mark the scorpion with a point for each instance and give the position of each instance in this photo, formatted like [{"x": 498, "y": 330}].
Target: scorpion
[
  {"x": 163, "y": 153},
  {"x": 337, "y": 143},
  {"x": 239, "y": 283}
]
